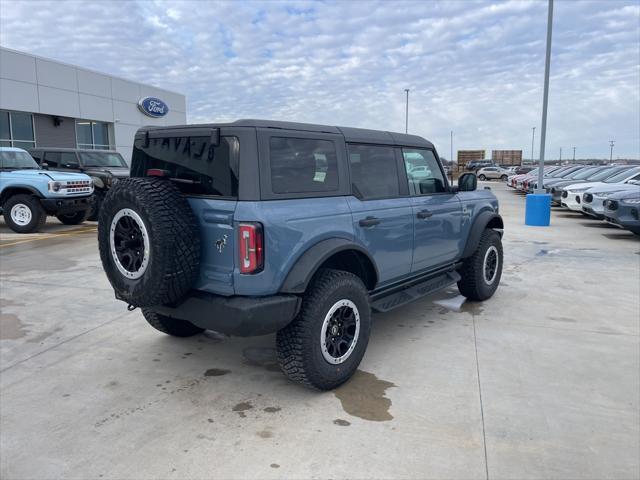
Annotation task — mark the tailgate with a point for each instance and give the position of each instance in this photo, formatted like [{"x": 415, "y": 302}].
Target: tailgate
[{"x": 217, "y": 240}]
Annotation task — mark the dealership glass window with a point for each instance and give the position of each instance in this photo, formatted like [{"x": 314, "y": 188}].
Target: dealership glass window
[
  {"x": 303, "y": 165},
  {"x": 16, "y": 129},
  {"x": 374, "y": 172},
  {"x": 92, "y": 135}
]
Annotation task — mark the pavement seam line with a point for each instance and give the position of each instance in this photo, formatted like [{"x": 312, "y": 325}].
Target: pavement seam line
[
  {"x": 44, "y": 284},
  {"x": 484, "y": 435},
  {"x": 62, "y": 343},
  {"x": 71, "y": 233}
]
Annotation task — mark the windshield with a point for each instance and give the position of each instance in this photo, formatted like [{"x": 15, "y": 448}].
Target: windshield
[
  {"x": 601, "y": 175},
  {"x": 584, "y": 173},
  {"x": 623, "y": 175},
  {"x": 102, "y": 159},
  {"x": 16, "y": 160}
]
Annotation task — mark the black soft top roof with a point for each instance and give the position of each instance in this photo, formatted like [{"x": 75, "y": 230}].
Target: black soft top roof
[{"x": 360, "y": 135}]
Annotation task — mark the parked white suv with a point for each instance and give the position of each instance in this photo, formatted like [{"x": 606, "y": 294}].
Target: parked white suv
[{"x": 492, "y": 173}]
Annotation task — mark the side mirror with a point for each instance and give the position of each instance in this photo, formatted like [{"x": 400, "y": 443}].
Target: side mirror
[
  {"x": 73, "y": 166},
  {"x": 467, "y": 182},
  {"x": 45, "y": 166}
]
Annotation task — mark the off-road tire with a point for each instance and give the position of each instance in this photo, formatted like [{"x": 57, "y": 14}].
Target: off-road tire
[
  {"x": 98, "y": 198},
  {"x": 38, "y": 215},
  {"x": 482, "y": 177},
  {"x": 73, "y": 218},
  {"x": 473, "y": 284},
  {"x": 171, "y": 326},
  {"x": 174, "y": 242},
  {"x": 298, "y": 344}
]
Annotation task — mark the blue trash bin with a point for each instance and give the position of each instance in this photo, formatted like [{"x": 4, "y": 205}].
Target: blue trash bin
[{"x": 538, "y": 210}]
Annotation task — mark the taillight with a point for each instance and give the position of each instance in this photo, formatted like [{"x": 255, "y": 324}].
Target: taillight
[
  {"x": 157, "y": 172},
  {"x": 251, "y": 247}
]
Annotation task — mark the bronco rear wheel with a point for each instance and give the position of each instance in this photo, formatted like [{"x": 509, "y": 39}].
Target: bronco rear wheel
[
  {"x": 149, "y": 242},
  {"x": 323, "y": 346}
]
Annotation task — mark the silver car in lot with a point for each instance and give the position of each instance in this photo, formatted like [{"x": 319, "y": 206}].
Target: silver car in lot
[
  {"x": 593, "y": 199},
  {"x": 622, "y": 209},
  {"x": 493, "y": 173},
  {"x": 594, "y": 174}
]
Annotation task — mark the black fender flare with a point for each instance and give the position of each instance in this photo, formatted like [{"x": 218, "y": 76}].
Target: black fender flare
[
  {"x": 6, "y": 192},
  {"x": 482, "y": 220},
  {"x": 306, "y": 266}
]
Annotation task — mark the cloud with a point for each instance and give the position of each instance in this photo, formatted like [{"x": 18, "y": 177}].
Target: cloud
[{"x": 473, "y": 67}]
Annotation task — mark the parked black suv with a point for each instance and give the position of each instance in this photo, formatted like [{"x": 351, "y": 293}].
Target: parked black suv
[
  {"x": 474, "y": 165},
  {"x": 104, "y": 167}
]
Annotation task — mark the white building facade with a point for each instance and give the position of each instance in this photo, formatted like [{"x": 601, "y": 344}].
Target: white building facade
[{"x": 45, "y": 103}]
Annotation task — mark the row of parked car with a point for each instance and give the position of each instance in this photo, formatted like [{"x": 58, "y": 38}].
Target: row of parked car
[
  {"x": 606, "y": 192},
  {"x": 69, "y": 184}
]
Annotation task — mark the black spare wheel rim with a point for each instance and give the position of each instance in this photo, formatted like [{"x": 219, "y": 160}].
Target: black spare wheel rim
[
  {"x": 149, "y": 241},
  {"x": 129, "y": 242},
  {"x": 490, "y": 265},
  {"x": 340, "y": 331}
]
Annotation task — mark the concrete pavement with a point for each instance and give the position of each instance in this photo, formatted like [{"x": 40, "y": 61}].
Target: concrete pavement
[{"x": 541, "y": 381}]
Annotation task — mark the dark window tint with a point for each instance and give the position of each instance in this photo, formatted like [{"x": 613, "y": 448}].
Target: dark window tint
[
  {"x": 5, "y": 130},
  {"x": 102, "y": 159},
  {"x": 423, "y": 172},
  {"x": 303, "y": 165},
  {"x": 195, "y": 166},
  {"x": 52, "y": 159},
  {"x": 21, "y": 126},
  {"x": 37, "y": 155},
  {"x": 374, "y": 172}
]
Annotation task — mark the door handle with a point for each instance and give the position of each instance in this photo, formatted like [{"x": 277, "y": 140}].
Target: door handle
[
  {"x": 424, "y": 214},
  {"x": 369, "y": 222}
]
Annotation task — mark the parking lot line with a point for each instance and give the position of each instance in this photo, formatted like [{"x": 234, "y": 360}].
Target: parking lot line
[{"x": 53, "y": 235}]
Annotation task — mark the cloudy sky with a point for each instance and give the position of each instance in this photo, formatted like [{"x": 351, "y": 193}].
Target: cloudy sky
[{"x": 474, "y": 67}]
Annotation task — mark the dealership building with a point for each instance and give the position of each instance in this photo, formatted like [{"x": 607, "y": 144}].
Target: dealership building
[{"x": 45, "y": 103}]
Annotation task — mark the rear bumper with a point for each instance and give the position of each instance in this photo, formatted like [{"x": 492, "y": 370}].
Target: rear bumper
[
  {"x": 241, "y": 316},
  {"x": 63, "y": 206}
]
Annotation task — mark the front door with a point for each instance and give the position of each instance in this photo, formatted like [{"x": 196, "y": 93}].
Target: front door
[
  {"x": 436, "y": 211},
  {"x": 381, "y": 210}
]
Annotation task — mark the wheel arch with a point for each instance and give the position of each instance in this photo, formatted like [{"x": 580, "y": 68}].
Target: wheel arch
[
  {"x": 18, "y": 190},
  {"x": 485, "y": 219},
  {"x": 336, "y": 253}
]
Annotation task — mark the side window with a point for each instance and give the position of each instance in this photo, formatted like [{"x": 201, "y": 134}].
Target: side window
[
  {"x": 303, "y": 165},
  {"x": 68, "y": 160},
  {"x": 37, "y": 156},
  {"x": 374, "y": 172},
  {"x": 52, "y": 159},
  {"x": 423, "y": 172}
]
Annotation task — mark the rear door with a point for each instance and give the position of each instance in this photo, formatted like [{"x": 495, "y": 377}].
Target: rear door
[
  {"x": 207, "y": 174},
  {"x": 381, "y": 209},
  {"x": 436, "y": 212}
]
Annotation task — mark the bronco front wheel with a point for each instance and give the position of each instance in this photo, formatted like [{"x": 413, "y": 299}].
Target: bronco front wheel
[{"x": 323, "y": 346}]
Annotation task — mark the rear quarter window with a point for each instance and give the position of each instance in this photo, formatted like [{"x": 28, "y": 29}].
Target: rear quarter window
[
  {"x": 195, "y": 165},
  {"x": 302, "y": 165}
]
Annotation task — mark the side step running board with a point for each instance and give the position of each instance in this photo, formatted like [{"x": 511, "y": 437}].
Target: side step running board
[{"x": 414, "y": 292}]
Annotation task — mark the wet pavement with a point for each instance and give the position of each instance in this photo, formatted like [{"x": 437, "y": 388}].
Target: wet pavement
[{"x": 541, "y": 381}]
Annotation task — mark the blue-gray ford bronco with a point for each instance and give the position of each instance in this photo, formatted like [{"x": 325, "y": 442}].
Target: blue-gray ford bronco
[{"x": 254, "y": 227}]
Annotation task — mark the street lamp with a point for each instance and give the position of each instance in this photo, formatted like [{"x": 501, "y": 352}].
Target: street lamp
[
  {"x": 533, "y": 136},
  {"x": 611, "y": 143},
  {"x": 406, "y": 113},
  {"x": 560, "y": 155},
  {"x": 574, "y": 154}
]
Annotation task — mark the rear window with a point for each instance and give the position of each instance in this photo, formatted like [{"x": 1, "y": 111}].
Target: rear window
[
  {"x": 195, "y": 166},
  {"x": 303, "y": 165}
]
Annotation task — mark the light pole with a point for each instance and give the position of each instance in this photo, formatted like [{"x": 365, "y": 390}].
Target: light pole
[
  {"x": 406, "y": 113},
  {"x": 533, "y": 136},
  {"x": 560, "y": 155},
  {"x": 451, "y": 157},
  {"x": 611, "y": 144},
  {"x": 545, "y": 101},
  {"x": 574, "y": 154}
]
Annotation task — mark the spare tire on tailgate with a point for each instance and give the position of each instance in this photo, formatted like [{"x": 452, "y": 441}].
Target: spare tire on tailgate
[{"x": 149, "y": 242}]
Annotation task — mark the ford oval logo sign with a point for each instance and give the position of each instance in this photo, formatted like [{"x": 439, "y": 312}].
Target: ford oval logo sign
[{"x": 153, "y": 107}]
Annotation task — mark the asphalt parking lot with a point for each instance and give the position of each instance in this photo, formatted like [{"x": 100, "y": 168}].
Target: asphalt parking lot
[{"x": 541, "y": 381}]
